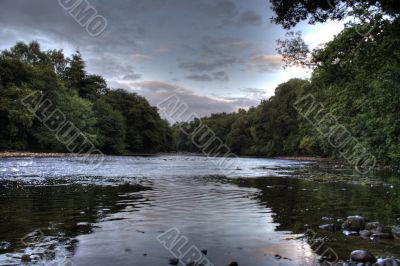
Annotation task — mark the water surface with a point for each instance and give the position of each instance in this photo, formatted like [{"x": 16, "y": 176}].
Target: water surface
[{"x": 58, "y": 210}]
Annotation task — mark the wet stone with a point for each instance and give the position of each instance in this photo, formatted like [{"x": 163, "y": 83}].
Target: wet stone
[
  {"x": 173, "y": 261},
  {"x": 329, "y": 227},
  {"x": 4, "y": 245},
  {"x": 350, "y": 233},
  {"x": 362, "y": 256},
  {"x": 365, "y": 233},
  {"x": 381, "y": 236},
  {"x": 396, "y": 232},
  {"x": 374, "y": 227},
  {"x": 387, "y": 262},
  {"x": 354, "y": 223},
  {"x": 26, "y": 258}
]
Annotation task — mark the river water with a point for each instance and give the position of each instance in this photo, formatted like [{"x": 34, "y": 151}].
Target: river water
[{"x": 62, "y": 211}]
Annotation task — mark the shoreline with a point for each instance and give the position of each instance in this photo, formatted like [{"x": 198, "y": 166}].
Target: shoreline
[{"x": 15, "y": 154}]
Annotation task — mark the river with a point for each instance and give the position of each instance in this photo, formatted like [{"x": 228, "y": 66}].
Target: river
[{"x": 62, "y": 211}]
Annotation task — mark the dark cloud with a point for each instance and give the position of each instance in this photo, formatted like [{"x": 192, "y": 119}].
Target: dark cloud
[
  {"x": 246, "y": 18},
  {"x": 216, "y": 76},
  {"x": 202, "y": 77},
  {"x": 132, "y": 76},
  {"x": 224, "y": 8},
  {"x": 207, "y": 65},
  {"x": 249, "y": 17}
]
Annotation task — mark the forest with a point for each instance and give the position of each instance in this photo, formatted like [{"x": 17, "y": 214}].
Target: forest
[{"x": 355, "y": 77}]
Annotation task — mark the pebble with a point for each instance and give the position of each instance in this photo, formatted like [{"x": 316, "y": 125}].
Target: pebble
[
  {"x": 362, "y": 256},
  {"x": 350, "y": 233},
  {"x": 173, "y": 261},
  {"x": 4, "y": 245},
  {"x": 381, "y": 236}
]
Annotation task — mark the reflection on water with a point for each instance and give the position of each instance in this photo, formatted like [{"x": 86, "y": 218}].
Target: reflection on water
[{"x": 62, "y": 209}]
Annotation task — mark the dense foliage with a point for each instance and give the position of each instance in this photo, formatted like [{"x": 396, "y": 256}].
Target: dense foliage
[
  {"x": 115, "y": 121},
  {"x": 355, "y": 79}
]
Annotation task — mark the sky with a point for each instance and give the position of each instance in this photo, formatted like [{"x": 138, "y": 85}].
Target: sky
[{"x": 215, "y": 55}]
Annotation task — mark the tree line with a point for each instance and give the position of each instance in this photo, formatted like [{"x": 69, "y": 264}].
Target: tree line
[
  {"x": 115, "y": 121},
  {"x": 355, "y": 77}
]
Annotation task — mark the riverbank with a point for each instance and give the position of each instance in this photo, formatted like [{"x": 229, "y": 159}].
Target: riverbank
[{"x": 14, "y": 154}]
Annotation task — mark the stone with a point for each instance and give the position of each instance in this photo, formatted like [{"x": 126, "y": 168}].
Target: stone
[
  {"x": 365, "y": 233},
  {"x": 354, "y": 223},
  {"x": 381, "y": 236},
  {"x": 374, "y": 227},
  {"x": 26, "y": 258},
  {"x": 362, "y": 256},
  {"x": 173, "y": 261},
  {"x": 350, "y": 233},
  {"x": 396, "y": 232},
  {"x": 329, "y": 227},
  {"x": 387, "y": 262}
]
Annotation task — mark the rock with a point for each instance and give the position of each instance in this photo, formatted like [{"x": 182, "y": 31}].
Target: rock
[
  {"x": 328, "y": 219},
  {"x": 374, "y": 227},
  {"x": 329, "y": 227},
  {"x": 350, "y": 233},
  {"x": 173, "y": 261},
  {"x": 365, "y": 233},
  {"x": 381, "y": 236},
  {"x": 233, "y": 263},
  {"x": 26, "y": 258},
  {"x": 362, "y": 256},
  {"x": 396, "y": 232},
  {"x": 387, "y": 262},
  {"x": 4, "y": 245},
  {"x": 354, "y": 223},
  {"x": 204, "y": 251}
]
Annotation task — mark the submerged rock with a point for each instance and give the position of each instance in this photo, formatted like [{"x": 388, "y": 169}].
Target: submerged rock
[
  {"x": 365, "y": 233},
  {"x": 350, "y": 233},
  {"x": 387, "y": 262},
  {"x": 4, "y": 245},
  {"x": 26, "y": 258},
  {"x": 396, "y": 232},
  {"x": 362, "y": 256},
  {"x": 354, "y": 223},
  {"x": 374, "y": 227},
  {"x": 329, "y": 227},
  {"x": 173, "y": 261},
  {"x": 381, "y": 236}
]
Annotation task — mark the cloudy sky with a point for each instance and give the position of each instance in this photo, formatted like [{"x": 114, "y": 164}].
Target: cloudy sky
[{"x": 216, "y": 55}]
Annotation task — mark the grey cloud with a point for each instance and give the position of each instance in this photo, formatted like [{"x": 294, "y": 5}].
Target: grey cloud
[
  {"x": 246, "y": 18},
  {"x": 216, "y": 76},
  {"x": 132, "y": 76},
  {"x": 207, "y": 65},
  {"x": 221, "y": 76},
  {"x": 249, "y": 17},
  {"x": 203, "y": 77}
]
